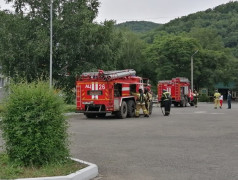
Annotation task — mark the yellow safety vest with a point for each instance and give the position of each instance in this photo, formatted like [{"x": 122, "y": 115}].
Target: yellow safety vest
[{"x": 217, "y": 95}]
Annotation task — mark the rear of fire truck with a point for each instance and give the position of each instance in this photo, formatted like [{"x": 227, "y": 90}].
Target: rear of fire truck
[
  {"x": 99, "y": 93},
  {"x": 180, "y": 91},
  {"x": 163, "y": 85}
]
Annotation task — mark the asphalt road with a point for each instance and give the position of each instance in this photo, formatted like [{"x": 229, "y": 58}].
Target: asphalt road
[{"x": 191, "y": 144}]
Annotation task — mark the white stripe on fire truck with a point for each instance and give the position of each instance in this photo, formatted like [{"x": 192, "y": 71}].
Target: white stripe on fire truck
[
  {"x": 126, "y": 89},
  {"x": 96, "y": 88},
  {"x": 92, "y": 90}
]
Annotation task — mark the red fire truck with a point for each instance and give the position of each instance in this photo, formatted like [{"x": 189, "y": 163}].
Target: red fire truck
[
  {"x": 179, "y": 89},
  {"x": 98, "y": 93}
]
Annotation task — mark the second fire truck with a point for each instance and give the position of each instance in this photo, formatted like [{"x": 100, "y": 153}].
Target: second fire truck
[
  {"x": 180, "y": 91},
  {"x": 98, "y": 93}
]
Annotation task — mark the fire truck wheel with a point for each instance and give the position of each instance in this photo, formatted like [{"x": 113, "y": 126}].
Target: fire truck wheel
[
  {"x": 90, "y": 115},
  {"x": 123, "y": 111},
  {"x": 131, "y": 108}
]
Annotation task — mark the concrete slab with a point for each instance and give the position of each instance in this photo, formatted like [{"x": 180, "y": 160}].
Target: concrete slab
[{"x": 84, "y": 174}]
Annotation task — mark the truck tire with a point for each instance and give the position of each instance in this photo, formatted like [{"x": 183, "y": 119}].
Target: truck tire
[
  {"x": 131, "y": 108},
  {"x": 89, "y": 115},
  {"x": 123, "y": 111}
]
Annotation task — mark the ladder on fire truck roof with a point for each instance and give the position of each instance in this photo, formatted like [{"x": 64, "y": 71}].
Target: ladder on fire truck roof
[
  {"x": 165, "y": 81},
  {"x": 181, "y": 79},
  {"x": 108, "y": 75}
]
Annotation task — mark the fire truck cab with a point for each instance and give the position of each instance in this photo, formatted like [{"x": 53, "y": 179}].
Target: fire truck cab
[
  {"x": 180, "y": 91},
  {"x": 98, "y": 93}
]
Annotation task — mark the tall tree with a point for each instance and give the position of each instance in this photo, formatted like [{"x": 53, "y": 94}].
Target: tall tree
[
  {"x": 79, "y": 44},
  {"x": 172, "y": 55}
]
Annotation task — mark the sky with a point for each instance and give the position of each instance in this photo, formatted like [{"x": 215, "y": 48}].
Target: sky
[{"x": 158, "y": 11}]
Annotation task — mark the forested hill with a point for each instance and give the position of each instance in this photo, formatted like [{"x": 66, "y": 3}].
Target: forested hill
[
  {"x": 81, "y": 45},
  {"x": 222, "y": 19},
  {"x": 138, "y": 26}
]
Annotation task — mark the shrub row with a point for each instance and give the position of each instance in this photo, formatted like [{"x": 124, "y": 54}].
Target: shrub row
[{"x": 33, "y": 124}]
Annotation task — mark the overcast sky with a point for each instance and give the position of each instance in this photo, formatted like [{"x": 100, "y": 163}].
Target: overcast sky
[{"x": 159, "y": 11}]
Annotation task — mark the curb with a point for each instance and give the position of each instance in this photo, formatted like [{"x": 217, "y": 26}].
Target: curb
[{"x": 84, "y": 174}]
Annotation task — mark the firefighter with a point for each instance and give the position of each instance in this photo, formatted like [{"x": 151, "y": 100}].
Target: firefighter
[
  {"x": 140, "y": 103},
  {"x": 148, "y": 101},
  {"x": 216, "y": 99},
  {"x": 166, "y": 102},
  {"x": 229, "y": 97},
  {"x": 195, "y": 98}
]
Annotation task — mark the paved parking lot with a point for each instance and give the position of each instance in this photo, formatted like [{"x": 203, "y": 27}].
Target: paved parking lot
[{"x": 191, "y": 144}]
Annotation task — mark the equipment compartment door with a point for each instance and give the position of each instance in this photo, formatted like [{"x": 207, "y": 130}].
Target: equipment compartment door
[
  {"x": 117, "y": 96},
  {"x": 78, "y": 95}
]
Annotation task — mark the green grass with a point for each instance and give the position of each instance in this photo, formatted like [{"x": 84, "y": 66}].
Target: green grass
[
  {"x": 1, "y": 108},
  {"x": 11, "y": 171},
  {"x": 70, "y": 108}
]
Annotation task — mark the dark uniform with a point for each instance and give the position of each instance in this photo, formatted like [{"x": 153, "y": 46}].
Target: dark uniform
[
  {"x": 166, "y": 102},
  {"x": 195, "y": 98},
  {"x": 229, "y": 100}
]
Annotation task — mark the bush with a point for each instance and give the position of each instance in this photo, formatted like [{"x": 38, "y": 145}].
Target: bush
[
  {"x": 204, "y": 98},
  {"x": 1, "y": 108},
  {"x": 33, "y": 124},
  {"x": 70, "y": 108}
]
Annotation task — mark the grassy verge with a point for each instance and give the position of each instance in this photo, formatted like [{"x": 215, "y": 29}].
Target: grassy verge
[
  {"x": 70, "y": 108},
  {"x": 11, "y": 171}
]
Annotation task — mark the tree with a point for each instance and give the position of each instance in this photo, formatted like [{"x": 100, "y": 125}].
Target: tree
[
  {"x": 22, "y": 50},
  {"x": 78, "y": 43},
  {"x": 212, "y": 67},
  {"x": 34, "y": 127},
  {"x": 172, "y": 56},
  {"x": 208, "y": 38}
]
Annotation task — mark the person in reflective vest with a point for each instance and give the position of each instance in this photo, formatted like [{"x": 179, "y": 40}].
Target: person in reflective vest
[
  {"x": 148, "y": 101},
  {"x": 166, "y": 102},
  {"x": 140, "y": 103},
  {"x": 216, "y": 99}
]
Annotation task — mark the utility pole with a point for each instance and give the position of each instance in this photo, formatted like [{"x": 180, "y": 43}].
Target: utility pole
[
  {"x": 192, "y": 70},
  {"x": 51, "y": 41}
]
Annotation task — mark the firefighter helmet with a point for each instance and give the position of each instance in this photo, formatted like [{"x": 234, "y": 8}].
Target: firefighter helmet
[{"x": 146, "y": 90}]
